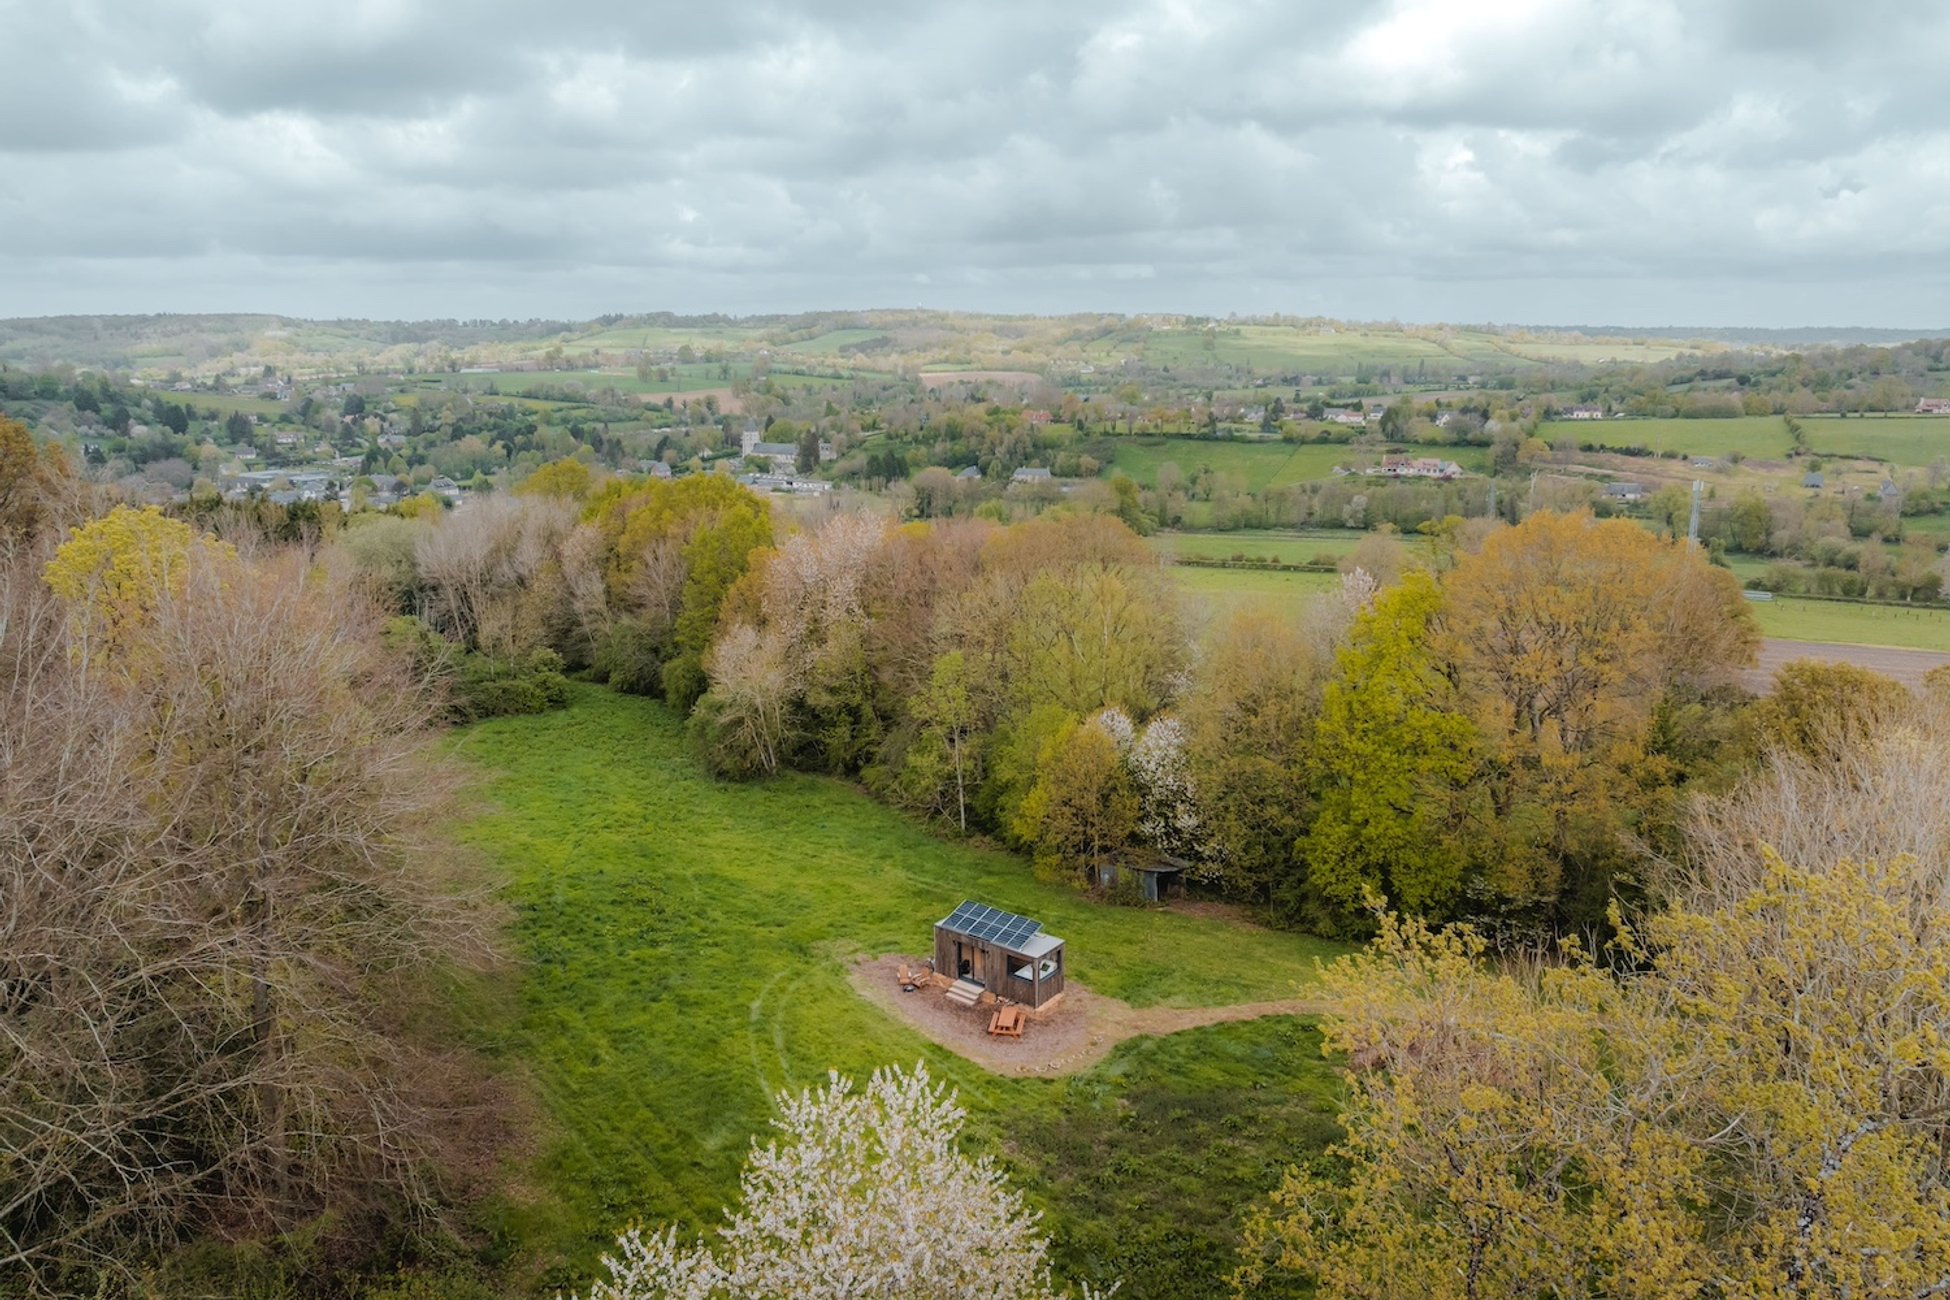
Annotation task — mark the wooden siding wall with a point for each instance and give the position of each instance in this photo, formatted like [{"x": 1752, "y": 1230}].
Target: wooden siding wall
[{"x": 992, "y": 966}]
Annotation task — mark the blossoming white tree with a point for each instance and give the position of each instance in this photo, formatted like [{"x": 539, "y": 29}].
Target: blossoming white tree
[{"x": 864, "y": 1197}]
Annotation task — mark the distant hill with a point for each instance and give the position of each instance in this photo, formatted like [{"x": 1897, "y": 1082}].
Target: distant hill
[{"x": 1801, "y": 336}]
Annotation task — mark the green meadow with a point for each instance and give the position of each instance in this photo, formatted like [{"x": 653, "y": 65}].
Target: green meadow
[
  {"x": 833, "y": 342},
  {"x": 682, "y": 950},
  {"x": 1760, "y": 436},
  {"x": 1900, "y": 439},
  {"x": 1212, "y": 593},
  {"x": 1278, "y": 546},
  {"x": 1847, "y": 623}
]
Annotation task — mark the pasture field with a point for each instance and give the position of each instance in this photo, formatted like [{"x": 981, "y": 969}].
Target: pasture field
[
  {"x": 832, "y": 341},
  {"x": 1592, "y": 352},
  {"x": 1763, "y": 436},
  {"x": 1335, "y": 353},
  {"x": 656, "y": 339},
  {"x": 684, "y": 947},
  {"x": 1258, "y": 465},
  {"x": 687, "y": 377},
  {"x": 1844, "y": 623},
  {"x": 1261, "y": 464},
  {"x": 1899, "y": 439},
  {"x": 228, "y": 402},
  {"x": 1213, "y": 593},
  {"x": 1282, "y": 547}
]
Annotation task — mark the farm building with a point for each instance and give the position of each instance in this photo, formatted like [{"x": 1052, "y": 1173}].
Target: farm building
[
  {"x": 1155, "y": 879},
  {"x": 1008, "y": 955}
]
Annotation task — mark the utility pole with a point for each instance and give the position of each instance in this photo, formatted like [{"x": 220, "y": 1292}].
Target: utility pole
[{"x": 1692, "y": 527}]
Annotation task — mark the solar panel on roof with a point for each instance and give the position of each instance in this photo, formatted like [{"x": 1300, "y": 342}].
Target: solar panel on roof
[{"x": 991, "y": 924}]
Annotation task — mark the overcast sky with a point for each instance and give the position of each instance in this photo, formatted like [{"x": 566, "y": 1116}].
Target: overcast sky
[{"x": 1739, "y": 162}]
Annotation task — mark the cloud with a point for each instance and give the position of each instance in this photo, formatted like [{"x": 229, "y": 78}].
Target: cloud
[{"x": 1547, "y": 160}]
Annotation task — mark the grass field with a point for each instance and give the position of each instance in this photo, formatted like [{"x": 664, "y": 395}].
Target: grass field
[
  {"x": 1850, "y": 624},
  {"x": 627, "y": 338},
  {"x": 1337, "y": 353},
  {"x": 1215, "y": 592},
  {"x": 833, "y": 341},
  {"x": 228, "y": 402},
  {"x": 1257, "y": 465},
  {"x": 684, "y": 943},
  {"x": 1763, "y": 436},
  {"x": 683, "y": 378},
  {"x": 1901, "y": 439},
  {"x": 1261, "y": 544}
]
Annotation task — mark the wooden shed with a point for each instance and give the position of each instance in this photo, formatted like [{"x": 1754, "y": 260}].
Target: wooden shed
[{"x": 1008, "y": 955}]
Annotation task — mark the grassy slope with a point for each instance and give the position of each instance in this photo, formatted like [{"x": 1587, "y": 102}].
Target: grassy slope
[
  {"x": 1216, "y": 591},
  {"x": 1848, "y": 624},
  {"x": 1902, "y": 440},
  {"x": 685, "y": 944},
  {"x": 1260, "y": 465},
  {"x": 1285, "y": 547},
  {"x": 1755, "y": 435}
]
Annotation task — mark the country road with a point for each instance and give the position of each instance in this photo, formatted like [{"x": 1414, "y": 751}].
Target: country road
[{"x": 1906, "y": 666}]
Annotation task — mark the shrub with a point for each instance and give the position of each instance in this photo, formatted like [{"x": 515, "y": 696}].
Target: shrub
[{"x": 630, "y": 660}]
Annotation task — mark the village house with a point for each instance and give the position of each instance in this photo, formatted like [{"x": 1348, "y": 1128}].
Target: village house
[
  {"x": 970, "y": 474},
  {"x": 1032, "y": 474},
  {"x": 787, "y": 485},
  {"x": 783, "y": 455},
  {"x": 1431, "y": 467},
  {"x": 1342, "y": 415},
  {"x": 1933, "y": 406},
  {"x": 1585, "y": 413},
  {"x": 1625, "y": 493}
]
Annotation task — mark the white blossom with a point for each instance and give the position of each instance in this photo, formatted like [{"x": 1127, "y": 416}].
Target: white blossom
[
  {"x": 1117, "y": 724},
  {"x": 1168, "y": 818},
  {"x": 865, "y": 1196}
]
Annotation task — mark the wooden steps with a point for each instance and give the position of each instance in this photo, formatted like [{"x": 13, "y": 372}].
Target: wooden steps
[{"x": 964, "y": 993}]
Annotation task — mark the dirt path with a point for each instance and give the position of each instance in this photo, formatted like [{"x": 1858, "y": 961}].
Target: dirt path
[
  {"x": 1906, "y": 666},
  {"x": 1076, "y": 1033}
]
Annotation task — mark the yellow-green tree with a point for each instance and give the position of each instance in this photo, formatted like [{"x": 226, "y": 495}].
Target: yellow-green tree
[
  {"x": 1394, "y": 753},
  {"x": 1563, "y": 634},
  {"x": 1080, "y": 815},
  {"x": 1819, "y": 709},
  {"x": 567, "y": 478},
  {"x": 1756, "y": 1102},
  {"x": 1250, "y": 719},
  {"x": 28, "y": 475},
  {"x": 113, "y": 571}
]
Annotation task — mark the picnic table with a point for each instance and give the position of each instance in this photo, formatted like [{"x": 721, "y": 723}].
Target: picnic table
[{"x": 1007, "y": 1022}]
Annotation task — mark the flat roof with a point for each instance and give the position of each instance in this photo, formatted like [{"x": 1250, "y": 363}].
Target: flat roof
[{"x": 1038, "y": 945}]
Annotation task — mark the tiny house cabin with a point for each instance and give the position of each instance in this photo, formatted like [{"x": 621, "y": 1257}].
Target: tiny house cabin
[{"x": 1008, "y": 955}]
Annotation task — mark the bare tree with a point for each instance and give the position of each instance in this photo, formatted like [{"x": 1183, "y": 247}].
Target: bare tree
[
  {"x": 1870, "y": 796},
  {"x": 220, "y": 888},
  {"x": 493, "y": 575}
]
